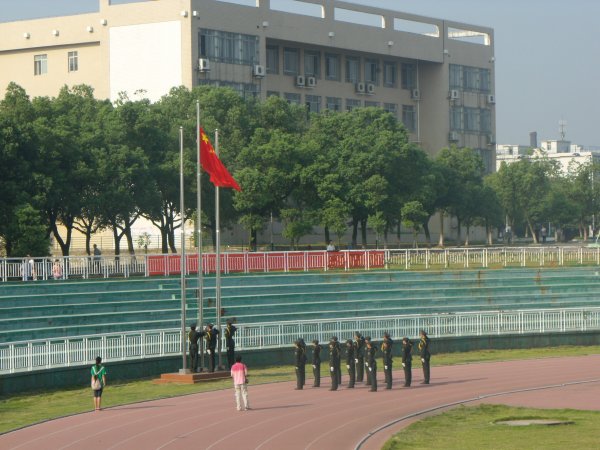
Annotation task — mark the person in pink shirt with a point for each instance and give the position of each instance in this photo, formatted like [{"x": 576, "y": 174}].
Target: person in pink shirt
[{"x": 239, "y": 373}]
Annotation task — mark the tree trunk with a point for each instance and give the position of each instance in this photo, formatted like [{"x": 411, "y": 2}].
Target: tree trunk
[
  {"x": 441, "y": 241},
  {"x": 467, "y": 237},
  {"x": 327, "y": 236},
  {"x": 426, "y": 231},
  {"x": 363, "y": 232},
  {"x": 532, "y": 231},
  {"x": 354, "y": 232},
  {"x": 458, "y": 230}
]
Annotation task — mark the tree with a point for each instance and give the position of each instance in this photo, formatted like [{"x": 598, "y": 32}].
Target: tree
[
  {"x": 31, "y": 237},
  {"x": 413, "y": 215}
]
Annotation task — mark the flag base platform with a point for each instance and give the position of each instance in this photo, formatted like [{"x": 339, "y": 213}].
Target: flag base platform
[{"x": 191, "y": 378}]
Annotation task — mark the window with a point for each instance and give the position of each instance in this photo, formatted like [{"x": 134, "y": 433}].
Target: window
[
  {"x": 408, "y": 76},
  {"x": 389, "y": 74},
  {"x": 272, "y": 59},
  {"x": 292, "y": 98},
  {"x": 245, "y": 90},
  {"x": 470, "y": 78},
  {"x": 334, "y": 103},
  {"x": 272, "y": 94},
  {"x": 485, "y": 83},
  {"x": 352, "y": 69},
  {"x": 73, "y": 62},
  {"x": 231, "y": 48},
  {"x": 369, "y": 104},
  {"x": 456, "y": 118},
  {"x": 391, "y": 108},
  {"x": 471, "y": 119},
  {"x": 312, "y": 64},
  {"x": 40, "y": 64},
  {"x": 332, "y": 67},
  {"x": 313, "y": 103},
  {"x": 409, "y": 118},
  {"x": 455, "y": 76},
  {"x": 352, "y": 104},
  {"x": 371, "y": 70},
  {"x": 291, "y": 61},
  {"x": 486, "y": 121}
]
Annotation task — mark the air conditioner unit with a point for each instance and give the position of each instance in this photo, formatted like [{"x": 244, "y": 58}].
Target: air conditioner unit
[
  {"x": 359, "y": 88},
  {"x": 415, "y": 94},
  {"x": 453, "y": 136},
  {"x": 300, "y": 81},
  {"x": 491, "y": 99},
  {"x": 454, "y": 94},
  {"x": 258, "y": 71},
  {"x": 370, "y": 88},
  {"x": 203, "y": 65},
  {"x": 491, "y": 139},
  {"x": 311, "y": 81}
]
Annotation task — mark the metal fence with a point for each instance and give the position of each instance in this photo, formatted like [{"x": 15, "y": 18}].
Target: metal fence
[
  {"x": 82, "y": 350},
  {"x": 12, "y": 269}
]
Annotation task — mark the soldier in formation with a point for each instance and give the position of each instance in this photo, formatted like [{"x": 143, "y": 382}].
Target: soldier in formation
[
  {"x": 230, "y": 330},
  {"x": 300, "y": 363},
  {"x": 359, "y": 355},
  {"x": 334, "y": 362},
  {"x": 386, "y": 350},
  {"x": 425, "y": 355},
  {"x": 193, "y": 338},
  {"x": 407, "y": 361},
  {"x": 350, "y": 363},
  {"x": 211, "y": 335},
  {"x": 371, "y": 364},
  {"x": 316, "y": 363}
]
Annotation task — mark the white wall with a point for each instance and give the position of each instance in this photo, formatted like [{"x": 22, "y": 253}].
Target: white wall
[{"x": 145, "y": 57}]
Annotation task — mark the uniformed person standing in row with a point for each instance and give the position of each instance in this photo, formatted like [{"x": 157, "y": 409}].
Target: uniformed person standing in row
[
  {"x": 371, "y": 364},
  {"x": 316, "y": 363},
  {"x": 193, "y": 337},
  {"x": 359, "y": 355},
  {"x": 230, "y": 330},
  {"x": 350, "y": 363},
  {"x": 334, "y": 362},
  {"x": 425, "y": 355},
  {"x": 386, "y": 349},
  {"x": 211, "y": 335},
  {"x": 407, "y": 361},
  {"x": 299, "y": 363},
  {"x": 339, "y": 361}
]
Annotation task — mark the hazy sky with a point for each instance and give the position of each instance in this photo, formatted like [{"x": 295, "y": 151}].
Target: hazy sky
[{"x": 547, "y": 57}]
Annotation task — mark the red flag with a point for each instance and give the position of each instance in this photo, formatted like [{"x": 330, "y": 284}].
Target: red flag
[{"x": 219, "y": 176}]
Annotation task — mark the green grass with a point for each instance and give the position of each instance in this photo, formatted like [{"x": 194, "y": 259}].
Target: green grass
[
  {"x": 20, "y": 410},
  {"x": 466, "y": 428}
]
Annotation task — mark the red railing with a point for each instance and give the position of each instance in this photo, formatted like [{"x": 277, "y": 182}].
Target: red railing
[{"x": 269, "y": 262}]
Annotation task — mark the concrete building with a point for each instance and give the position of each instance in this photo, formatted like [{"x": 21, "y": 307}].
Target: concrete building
[
  {"x": 568, "y": 156},
  {"x": 436, "y": 76}
]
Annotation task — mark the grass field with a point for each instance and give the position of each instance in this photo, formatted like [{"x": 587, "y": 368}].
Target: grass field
[
  {"x": 475, "y": 428},
  {"x": 22, "y": 410}
]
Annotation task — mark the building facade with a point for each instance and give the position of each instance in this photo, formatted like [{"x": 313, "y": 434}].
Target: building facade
[{"x": 436, "y": 76}]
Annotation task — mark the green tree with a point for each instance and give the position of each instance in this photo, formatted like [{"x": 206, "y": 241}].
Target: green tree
[
  {"x": 413, "y": 215},
  {"x": 32, "y": 236}
]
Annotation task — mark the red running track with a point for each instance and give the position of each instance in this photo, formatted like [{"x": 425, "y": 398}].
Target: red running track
[{"x": 316, "y": 419}]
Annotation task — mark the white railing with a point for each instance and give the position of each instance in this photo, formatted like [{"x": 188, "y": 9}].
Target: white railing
[
  {"x": 12, "y": 269},
  {"x": 82, "y": 350}
]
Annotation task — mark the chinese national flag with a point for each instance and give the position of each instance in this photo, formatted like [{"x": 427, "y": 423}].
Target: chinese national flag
[{"x": 219, "y": 176}]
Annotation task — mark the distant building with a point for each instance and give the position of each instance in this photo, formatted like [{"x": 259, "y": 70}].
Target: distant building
[{"x": 568, "y": 155}]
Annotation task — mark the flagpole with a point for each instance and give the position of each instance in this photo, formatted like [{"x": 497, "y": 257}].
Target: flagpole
[
  {"x": 199, "y": 236},
  {"x": 182, "y": 261},
  {"x": 218, "y": 255}
]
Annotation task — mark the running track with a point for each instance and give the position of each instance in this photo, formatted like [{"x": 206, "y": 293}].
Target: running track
[{"x": 316, "y": 419}]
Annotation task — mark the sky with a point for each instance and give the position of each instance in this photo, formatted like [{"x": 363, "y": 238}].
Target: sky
[{"x": 547, "y": 57}]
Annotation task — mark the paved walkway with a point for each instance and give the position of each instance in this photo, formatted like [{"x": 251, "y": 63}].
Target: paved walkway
[{"x": 316, "y": 419}]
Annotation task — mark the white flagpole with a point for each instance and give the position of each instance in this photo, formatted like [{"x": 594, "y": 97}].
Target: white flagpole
[
  {"x": 218, "y": 255},
  {"x": 182, "y": 261},
  {"x": 199, "y": 236}
]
